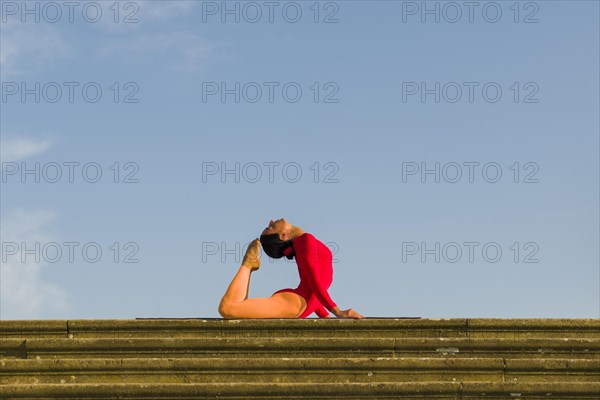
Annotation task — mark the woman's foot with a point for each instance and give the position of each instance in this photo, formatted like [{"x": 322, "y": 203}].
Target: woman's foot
[{"x": 252, "y": 256}]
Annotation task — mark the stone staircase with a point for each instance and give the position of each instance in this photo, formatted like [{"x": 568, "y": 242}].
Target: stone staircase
[{"x": 301, "y": 359}]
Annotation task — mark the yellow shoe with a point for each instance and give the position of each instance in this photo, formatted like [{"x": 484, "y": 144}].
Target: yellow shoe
[{"x": 252, "y": 257}]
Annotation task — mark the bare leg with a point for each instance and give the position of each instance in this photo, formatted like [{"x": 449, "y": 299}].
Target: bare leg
[
  {"x": 236, "y": 304},
  {"x": 248, "y": 288},
  {"x": 239, "y": 286}
]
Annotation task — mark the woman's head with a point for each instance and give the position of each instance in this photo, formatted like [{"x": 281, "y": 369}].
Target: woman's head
[{"x": 276, "y": 239}]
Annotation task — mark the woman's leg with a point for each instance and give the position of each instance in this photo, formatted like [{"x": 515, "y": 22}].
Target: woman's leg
[
  {"x": 235, "y": 303},
  {"x": 248, "y": 286}
]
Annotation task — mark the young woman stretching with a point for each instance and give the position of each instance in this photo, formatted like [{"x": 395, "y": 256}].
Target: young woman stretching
[{"x": 315, "y": 267}]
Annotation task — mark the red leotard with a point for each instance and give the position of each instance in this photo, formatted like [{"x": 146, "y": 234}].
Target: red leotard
[{"x": 315, "y": 268}]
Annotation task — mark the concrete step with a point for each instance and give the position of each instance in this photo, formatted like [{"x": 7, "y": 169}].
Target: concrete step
[
  {"x": 300, "y": 359},
  {"x": 301, "y": 347},
  {"x": 388, "y": 390},
  {"x": 311, "y": 328},
  {"x": 295, "y": 370}
]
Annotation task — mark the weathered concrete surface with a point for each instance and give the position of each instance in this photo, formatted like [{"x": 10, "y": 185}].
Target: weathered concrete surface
[
  {"x": 317, "y": 370},
  {"x": 311, "y": 327},
  {"x": 427, "y": 390},
  {"x": 309, "y": 359},
  {"x": 287, "y": 347}
]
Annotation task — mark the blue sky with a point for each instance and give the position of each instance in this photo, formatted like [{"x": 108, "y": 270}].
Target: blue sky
[{"x": 157, "y": 124}]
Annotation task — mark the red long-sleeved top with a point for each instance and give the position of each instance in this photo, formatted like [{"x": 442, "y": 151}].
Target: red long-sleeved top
[{"x": 315, "y": 266}]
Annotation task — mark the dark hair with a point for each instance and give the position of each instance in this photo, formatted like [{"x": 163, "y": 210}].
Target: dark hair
[{"x": 277, "y": 248}]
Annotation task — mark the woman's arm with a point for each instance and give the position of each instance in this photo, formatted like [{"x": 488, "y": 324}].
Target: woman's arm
[
  {"x": 322, "y": 312},
  {"x": 307, "y": 257}
]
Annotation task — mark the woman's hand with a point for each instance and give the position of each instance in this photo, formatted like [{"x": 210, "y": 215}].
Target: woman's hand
[{"x": 349, "y": 313}]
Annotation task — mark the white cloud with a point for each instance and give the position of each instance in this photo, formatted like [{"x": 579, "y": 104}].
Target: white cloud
[
  {"x": 23, "y": 292},
  {"x": 165, "y": 9},
  {"x": 28, "y": 45},
  {"x": 186, "y": 51},
  {"x": 15, "y": 148},
  {"x": 135, "y": 14}
]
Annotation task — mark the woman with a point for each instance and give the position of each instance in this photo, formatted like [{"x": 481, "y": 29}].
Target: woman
[{"x": 314, "y": 261}]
